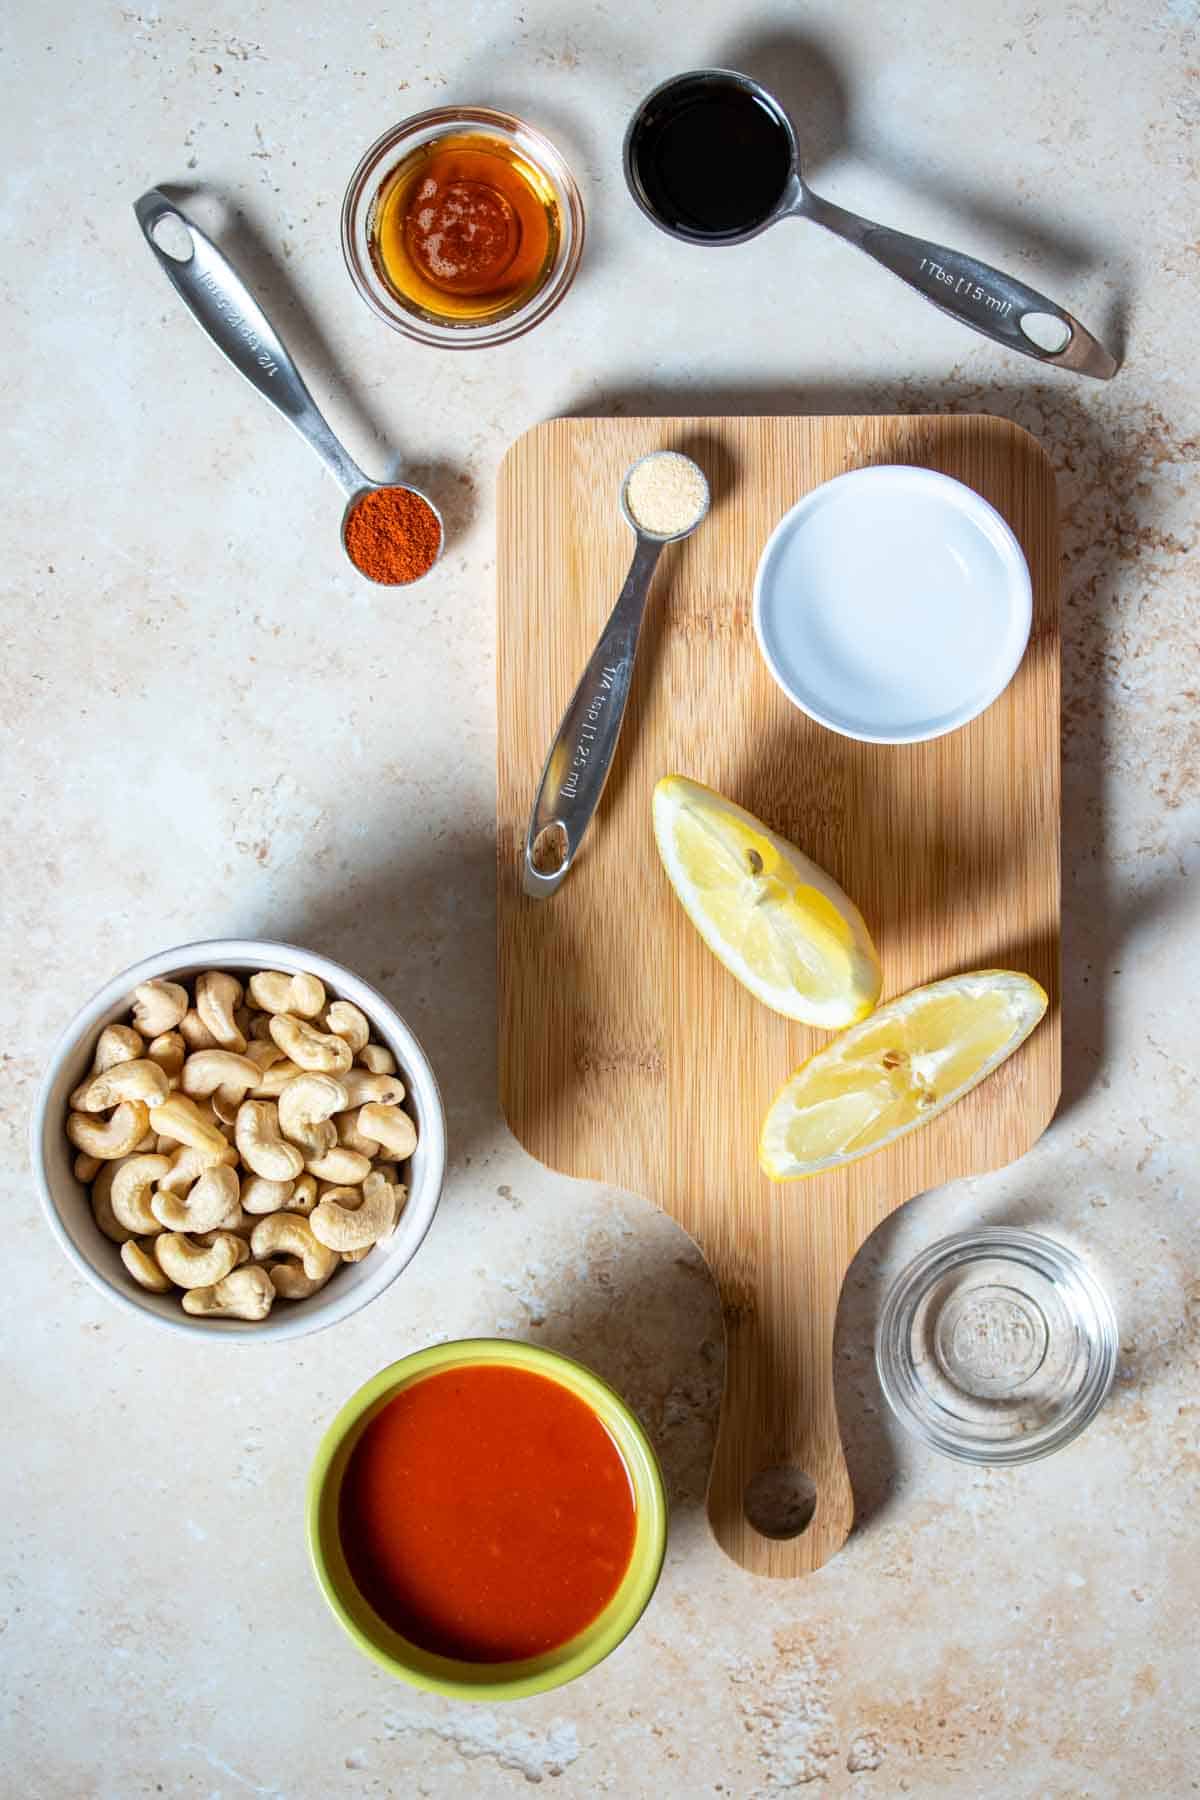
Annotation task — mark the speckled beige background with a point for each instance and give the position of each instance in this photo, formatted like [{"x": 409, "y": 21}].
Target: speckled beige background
[{"x": 210, "y": 727}]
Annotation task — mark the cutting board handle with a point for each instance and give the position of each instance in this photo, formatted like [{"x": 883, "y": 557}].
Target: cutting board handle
[{"x": 779, "y": 1496}]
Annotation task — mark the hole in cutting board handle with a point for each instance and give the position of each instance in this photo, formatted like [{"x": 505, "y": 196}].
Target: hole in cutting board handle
[{"x": 780, "y": 1502}]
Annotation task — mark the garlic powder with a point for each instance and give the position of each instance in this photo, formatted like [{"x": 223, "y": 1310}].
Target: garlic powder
[{"x": 666, "y": 493}]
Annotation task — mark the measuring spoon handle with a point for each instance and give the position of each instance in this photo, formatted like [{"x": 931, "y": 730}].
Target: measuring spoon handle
[
  {"x": 223, "y": 305},
  {"x": 970, "y": 291},
  {"x": 582, "y": 752}
]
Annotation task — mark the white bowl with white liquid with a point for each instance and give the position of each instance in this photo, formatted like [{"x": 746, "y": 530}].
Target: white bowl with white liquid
[{"x": 893, "y": 604}]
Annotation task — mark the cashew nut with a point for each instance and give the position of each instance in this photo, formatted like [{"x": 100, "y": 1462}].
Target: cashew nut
[
  {"x": 365, "y": 1089},
  {"x": 379, "y": 1060},
  {"x": 345, "y": 1167},
  {"x": 349, "y": 1197},
  {"x": 259, "y": 1195},
  {"x": 188, "y": 1165},
  {"x": 291, "y": 1283},
  {"x": 353, "y": 1256},
  {"x": 244, "y": 1294},
  {"x": 351, "y": 1137},
  {"x": 169, "y": 1051},
  {"x": 306, "y": 1109},
  {"x": 391, "y": 1175},
  {"x": 181, "y": 1119},
  {"x": 275, "y": 992},
  {"x": 341, "y": 1227},
  {"x": 308, "y": 996},
  {"x": 148, "y": 1146},
  {"x": 207, "y": 1070},
  {"x": 130, "y": 1194},
  {"x": 195, "y": 1032},
  {"x": 243, "y": 1240},
  {"x": 265, "y": 1053},
  {"x": 217, "y": 995},
  {"x": 225, "y": 1103},
  {"x": 389, "y": 1127},
  {"x": 102, "y": 1210},
  {"x": 350, "y": 1022},
  {"x": 303, "y": 1196},
  {"x": 262, "y": 1149},
  {"x": 143, "y": 1268},
  {"x": 190, "y": 1265},
  {"x": 137, "y": 1080},
  {"x": 273, "y": 1080},
  {"x": 260, "y": 1029},
  {"x": 86, "y": 1168},
  {"x": 287, "y": 1234},
  {"x": 208, "y": 1110},
  {"x": 116, "y": 1044},
  {"x": 211, "y": 1203},
  {"x": 158, "y": 1007},
  {"x": 316, "y": 1051},
  {"x": 110, "y": 1138}
]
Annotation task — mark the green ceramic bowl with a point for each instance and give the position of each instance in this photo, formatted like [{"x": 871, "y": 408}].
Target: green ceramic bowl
[{"x": 444, "y": 1674}]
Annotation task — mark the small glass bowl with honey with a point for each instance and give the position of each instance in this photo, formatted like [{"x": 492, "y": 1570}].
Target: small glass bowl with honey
[{"x": 462, "y": 227}]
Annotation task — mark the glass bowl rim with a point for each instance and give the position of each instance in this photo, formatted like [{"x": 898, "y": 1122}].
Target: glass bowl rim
[
  {"x": 551, "y": 162},
  {"x": 1052, "y": 1259}
]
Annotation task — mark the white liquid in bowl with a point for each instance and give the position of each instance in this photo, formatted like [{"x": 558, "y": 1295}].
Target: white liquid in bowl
[{"x": 893, "y": 604}]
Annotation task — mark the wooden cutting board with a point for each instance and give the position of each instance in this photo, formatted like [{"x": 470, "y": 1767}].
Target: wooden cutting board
[{"x": 627, "y": 1053}]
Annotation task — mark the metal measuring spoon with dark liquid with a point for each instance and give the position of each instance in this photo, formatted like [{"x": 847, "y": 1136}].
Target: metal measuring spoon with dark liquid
[{"x": 712, "y": 158}]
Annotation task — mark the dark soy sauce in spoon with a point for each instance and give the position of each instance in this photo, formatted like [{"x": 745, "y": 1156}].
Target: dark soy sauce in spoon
[{"x": 711, "y": 160}]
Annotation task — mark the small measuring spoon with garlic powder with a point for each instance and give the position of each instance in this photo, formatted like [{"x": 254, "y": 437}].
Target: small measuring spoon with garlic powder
[
  {"x": 664, "y": 496},
  {"x": 224, "y": 307}
]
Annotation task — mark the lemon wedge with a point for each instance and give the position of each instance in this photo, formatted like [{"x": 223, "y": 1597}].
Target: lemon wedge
[
  {"x": 902, "y": 1067},
  {"x": 778, "y": 923}
]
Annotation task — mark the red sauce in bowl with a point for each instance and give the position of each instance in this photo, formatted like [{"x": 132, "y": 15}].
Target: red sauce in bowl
[{"x": 486, "y": 1514}]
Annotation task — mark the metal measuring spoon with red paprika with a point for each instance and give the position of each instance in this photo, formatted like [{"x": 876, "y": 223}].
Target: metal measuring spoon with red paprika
[{"x": 392, "y": 533}]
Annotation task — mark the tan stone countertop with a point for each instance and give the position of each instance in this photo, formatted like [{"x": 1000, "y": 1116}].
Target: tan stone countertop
[{"x": 211, "y": 727}]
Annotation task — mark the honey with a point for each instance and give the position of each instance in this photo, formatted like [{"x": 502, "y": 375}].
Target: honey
[{"x": 465, "y": 229}]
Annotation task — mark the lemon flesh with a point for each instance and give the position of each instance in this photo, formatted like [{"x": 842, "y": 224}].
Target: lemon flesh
[
  {"x": 779, "y": 923},
  {"x": 904, "y": 1066}
]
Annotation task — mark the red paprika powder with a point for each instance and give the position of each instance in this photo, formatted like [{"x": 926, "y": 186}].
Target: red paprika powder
[{"x": 392, "y": 535}]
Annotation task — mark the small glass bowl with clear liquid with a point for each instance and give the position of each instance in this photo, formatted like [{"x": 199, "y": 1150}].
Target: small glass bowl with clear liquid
[{"x": 996, "y": 1346}]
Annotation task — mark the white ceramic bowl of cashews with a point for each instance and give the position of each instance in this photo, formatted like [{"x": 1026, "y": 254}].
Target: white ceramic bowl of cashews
[{"x": 308, "y": 1293}]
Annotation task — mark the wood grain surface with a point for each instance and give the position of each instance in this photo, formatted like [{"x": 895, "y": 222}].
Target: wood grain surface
[{"x": 627, "y": 1053}]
